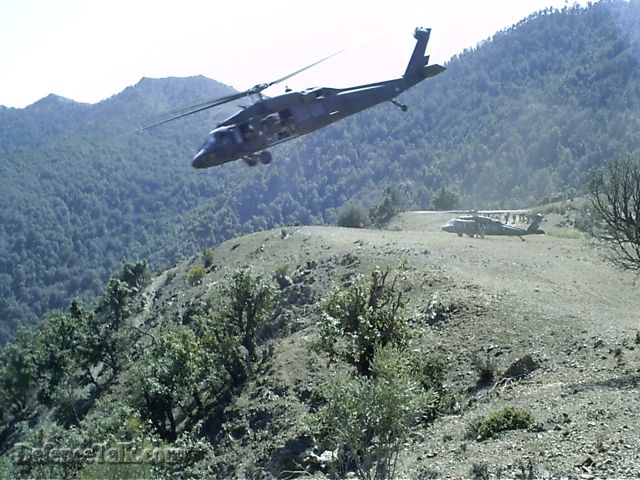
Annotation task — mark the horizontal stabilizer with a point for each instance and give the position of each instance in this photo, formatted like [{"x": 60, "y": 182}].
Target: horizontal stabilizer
[{"x": 432, "y": 70}]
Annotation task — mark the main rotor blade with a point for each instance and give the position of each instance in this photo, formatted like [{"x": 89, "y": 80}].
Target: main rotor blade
[
  {"x": 235, "y": 96},
  {"x": 286, "y": 77},
  {"x": 198, "y": 108}
]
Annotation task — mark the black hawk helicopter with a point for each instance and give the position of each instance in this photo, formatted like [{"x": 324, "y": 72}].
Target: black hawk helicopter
[
  {"x": 270, "y": 121},
  {"x": 481, "y": 225}
]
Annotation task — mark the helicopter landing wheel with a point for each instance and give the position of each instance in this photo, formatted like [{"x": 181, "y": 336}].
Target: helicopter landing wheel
[
  {"x": 265, "y": 157},
  {"x": 251, "y": 160},
  {"x": 402, "y": 106}
]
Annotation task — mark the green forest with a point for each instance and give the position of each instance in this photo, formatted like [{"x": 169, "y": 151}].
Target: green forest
[{"x": 522, "y": 116}]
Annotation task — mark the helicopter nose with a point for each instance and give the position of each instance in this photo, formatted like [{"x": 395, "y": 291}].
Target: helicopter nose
[{"x": 201, "y": 159}]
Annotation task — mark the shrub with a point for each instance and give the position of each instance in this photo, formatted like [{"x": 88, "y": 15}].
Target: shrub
[
  {"x": 507, "y": 418},
  {"x": 195, "y": 275},
  {"x": 486, "y": 369},
  {"x": 368, "y": 419},
  {"x": 430, "y": 371},
  {"x": 248, "y": 300},
  {"x": 207, "y": 257},
  {"x": 364, "y": 317},
  {"x": 282, "y": 270},
  {"x": 135, "y": 275},
  {"x": 480, "y": 471},
  {"x": 382, "y": 213},
  {"x": 445, "y": 199},
  {"x": 171, "y": 274},
  {"x": 353, "y": 215},
  {"x": 169, "y": 376}
]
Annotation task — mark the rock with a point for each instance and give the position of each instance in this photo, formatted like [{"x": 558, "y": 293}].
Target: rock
[
  {"x": 327, "y": 457},
  {"x": 284, "y": 281},
  {"x": 320, "y": 462},
  {"x": 587, "y": 462}
]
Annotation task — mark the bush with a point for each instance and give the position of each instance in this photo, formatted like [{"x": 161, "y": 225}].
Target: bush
[
  {"x": 195, "y": 275},
  {"x": 445, "y": 199},
  {"x": 168, "y": 376},
  {"x": 382, "y": 213},
  {"x": 135, "y": 275},
  {"x": 353, "y": 215},
  {"x": 282, "y": 270},
  {"x": 366, "y": 420},
  {"x": 207, "y": 257},
  {"x": 486, "y": 369},
  {"x": 248, "y": 301},
  {"x": 507, "y": 418},
  {"x": 364, "y": 317},
  {"x": 480, "y": 471},
  {"x": 430, "y": 372}
]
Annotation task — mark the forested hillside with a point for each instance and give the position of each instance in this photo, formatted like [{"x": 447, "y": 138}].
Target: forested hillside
[{"x": 521, "y": 116}]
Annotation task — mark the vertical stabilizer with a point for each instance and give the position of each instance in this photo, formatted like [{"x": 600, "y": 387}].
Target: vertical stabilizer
[
  {"x": 418, "y": 59},
  {"x": 535, "y": 224}
]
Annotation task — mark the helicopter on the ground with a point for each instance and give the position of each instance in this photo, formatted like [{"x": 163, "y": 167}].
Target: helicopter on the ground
[
  {"x": 481, "y": 225},
  {"x": 270, "y": 121}
]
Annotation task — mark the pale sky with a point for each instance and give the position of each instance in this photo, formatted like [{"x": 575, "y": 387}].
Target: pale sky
[{"x": 88, "y": 50}]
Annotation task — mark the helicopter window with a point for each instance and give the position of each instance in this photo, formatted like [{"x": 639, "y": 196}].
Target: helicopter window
[
  {"x": 246, "y": 132},
  {"x": 237, "y": 136},
  {"x": 285, "y": 117},
  {"x": 209, "y": 141},
  {"x": 222, "y": 137}
]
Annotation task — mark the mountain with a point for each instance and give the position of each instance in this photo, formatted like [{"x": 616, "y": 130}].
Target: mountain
[
  {"x": 523, "y": 116},
  {"x": 516, "y": 359}
]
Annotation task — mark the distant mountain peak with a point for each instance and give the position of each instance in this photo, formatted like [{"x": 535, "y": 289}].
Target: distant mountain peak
[{"x": 54, "y": 100}]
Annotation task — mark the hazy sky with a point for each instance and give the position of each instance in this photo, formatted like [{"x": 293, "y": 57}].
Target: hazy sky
[{"x": 88, "y": 50}]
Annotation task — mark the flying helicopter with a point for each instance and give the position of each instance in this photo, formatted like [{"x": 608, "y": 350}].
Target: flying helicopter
[
  {"x": 481, "y": 225},
  {"x": 270, "y": 121}
]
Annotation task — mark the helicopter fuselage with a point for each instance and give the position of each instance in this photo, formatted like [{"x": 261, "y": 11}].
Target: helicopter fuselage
[{"x": 270, "y": 121}]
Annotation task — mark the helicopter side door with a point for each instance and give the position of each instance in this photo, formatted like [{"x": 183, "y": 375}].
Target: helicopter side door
[{"x": 249, "y": 138}]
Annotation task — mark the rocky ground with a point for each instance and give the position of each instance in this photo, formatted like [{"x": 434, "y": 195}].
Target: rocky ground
[{"x": 552, "y": 299}]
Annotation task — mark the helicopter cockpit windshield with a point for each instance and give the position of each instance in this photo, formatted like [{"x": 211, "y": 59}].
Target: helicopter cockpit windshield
[
  {"x": 217, "y": 139},
  {"x": 215, "y": 149}
]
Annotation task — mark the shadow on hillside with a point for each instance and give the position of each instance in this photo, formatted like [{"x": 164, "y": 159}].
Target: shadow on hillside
[{"x": 624, "y": 382}]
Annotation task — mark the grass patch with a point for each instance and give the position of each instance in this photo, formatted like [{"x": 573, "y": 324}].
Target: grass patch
[{"x": 563, "y": 233}]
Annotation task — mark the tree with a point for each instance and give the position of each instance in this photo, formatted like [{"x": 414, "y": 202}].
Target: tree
[
  {"x": 445, "y": 199},
  {"x": 169, "y": 377},
  {"x": 382, "y": 213},
  {"x": 614, "y": 191},
  {"x": 18, "y": 373},
  {"x": 55, "y": 346},
  {"x": 135, "y": 275},
  {"x": 250, "y": 300}
]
